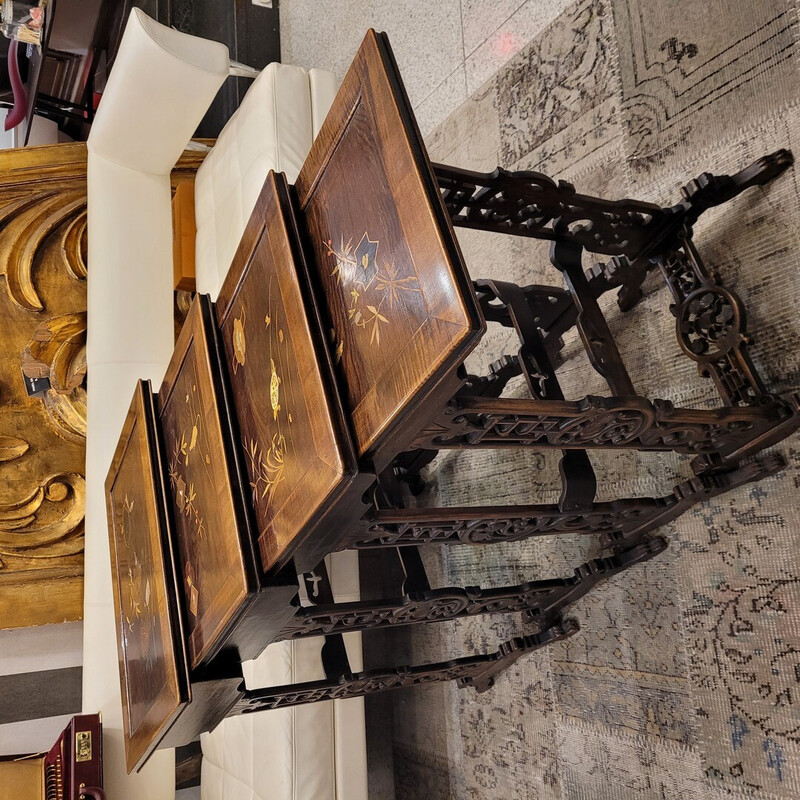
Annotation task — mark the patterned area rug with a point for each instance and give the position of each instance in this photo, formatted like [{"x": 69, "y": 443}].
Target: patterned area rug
[{"x": 684, "y": 681}]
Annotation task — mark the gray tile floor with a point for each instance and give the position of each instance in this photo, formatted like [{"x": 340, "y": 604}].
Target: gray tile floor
[{"x": 445, "y": 48}]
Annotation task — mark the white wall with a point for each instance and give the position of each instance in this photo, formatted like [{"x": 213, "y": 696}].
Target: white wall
[{"x": 30, "y": 650}]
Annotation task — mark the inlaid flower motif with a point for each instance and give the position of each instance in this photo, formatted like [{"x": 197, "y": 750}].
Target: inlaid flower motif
[
  {"x": 139, "y": 594},
  {"x": 239, "y": 342},
  {"x": 266, "y": 469},
  {"x": 184, "y": 495},
  {"x": 343, "y": 256},
  {"x": 274, "y": 390},
  {"x": 136, "y": 612},
  {"x": 371, "y": 289},
  {"x": 391, "y": 285},
  {"x": 127, "y": 510}
]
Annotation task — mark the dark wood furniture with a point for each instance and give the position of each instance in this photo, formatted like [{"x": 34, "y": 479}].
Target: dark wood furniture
[
  {"x": 161, "y": 705},
  {"x": 239, "y": 473},
  {"x": 332, "y": 370},
  {"x": 377, "y": 218},
  {"x": 300, "y": 463},
  {"x": 61, "y": 84},
  {"x": 403, "y": 313},
  {"x": 152, "y": 653},
  {"x": 169, "y": 698},
  {"x": 35, "y": 69}
]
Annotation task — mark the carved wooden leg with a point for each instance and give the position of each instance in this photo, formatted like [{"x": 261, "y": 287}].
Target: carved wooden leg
[
  {"x": 488, "y": 524},
  {"x": 711, "y": 326},
  {"x": 592, "y": 326},
  {"x": 535, "y": 312},
  {"x": 543, "y": 601},
  {"x": 477, "y": 671},
  {"x": 631, "y": 231},
  {"x": 704, "y": 192}
]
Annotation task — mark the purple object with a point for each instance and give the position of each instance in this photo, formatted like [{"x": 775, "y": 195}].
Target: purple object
[{"x": 17, "y": 114}]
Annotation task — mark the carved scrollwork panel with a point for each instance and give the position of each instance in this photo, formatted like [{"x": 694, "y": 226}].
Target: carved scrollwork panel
[
  {"x": 710, "y": 323},
  {"x": 46, "y": 523},
  {"x": 477, "y": 671},
  {"x": 532, "y": 204},
  {"x": 43, "y": 267},
  {"x": 631, "y": 422}
]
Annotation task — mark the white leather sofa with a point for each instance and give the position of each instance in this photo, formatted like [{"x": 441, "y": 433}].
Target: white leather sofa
[{"x": 160, "y": 87}]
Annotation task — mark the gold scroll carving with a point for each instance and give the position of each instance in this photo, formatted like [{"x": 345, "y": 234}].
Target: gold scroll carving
[
  {"x": 42, "y": 337},
  {"x": 43, "y": 274}
]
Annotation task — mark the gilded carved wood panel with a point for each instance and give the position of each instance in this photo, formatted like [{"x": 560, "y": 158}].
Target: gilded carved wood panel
[
  {"x": 43, "y": 275},
  {"x": 42, "y": 383}
]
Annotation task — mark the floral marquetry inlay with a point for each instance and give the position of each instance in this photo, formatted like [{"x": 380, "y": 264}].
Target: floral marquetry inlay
[
  {"x": 383, "y": 258},
  {"x": 373, "y": 287},
  {"x": 267, "y": 453},
  {"x": 151, "y": 657},
  {"x": 137, "y": 612},
  {"x": 204, "y": 512},
  {"x": 286, "y": 433},
  {"x": 184, "y": 446}
]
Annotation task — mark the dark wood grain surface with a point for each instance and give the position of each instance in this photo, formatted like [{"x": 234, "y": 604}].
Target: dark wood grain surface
[
  {"x": 395, "y": 291},
  {"x": 207, "y": 525},
  {"x": 152, "y": 659},
  {"x": 298, "y": 458}
]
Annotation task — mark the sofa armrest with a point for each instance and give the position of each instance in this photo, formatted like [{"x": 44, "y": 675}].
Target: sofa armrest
[{"x": 161, "y": 85}]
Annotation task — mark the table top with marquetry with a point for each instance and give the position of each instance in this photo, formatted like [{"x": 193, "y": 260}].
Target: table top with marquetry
[
  {"x": 396, "y": 295},
  {"x": 152, "y": 657},
  {"x": 290, "y": 426}
]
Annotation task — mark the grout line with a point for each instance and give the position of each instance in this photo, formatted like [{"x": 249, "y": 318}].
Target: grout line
[
  {"x": 463, "y": 42},
  {"x": 439, "y": 86}
]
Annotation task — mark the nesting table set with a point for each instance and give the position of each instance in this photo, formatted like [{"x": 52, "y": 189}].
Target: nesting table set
[{"x": 300, "y": 406}]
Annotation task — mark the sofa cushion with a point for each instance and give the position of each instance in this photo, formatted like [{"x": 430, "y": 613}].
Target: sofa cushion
[
  {"x": 311, "y": 752},
  {"x": 272, "y": 129},
  {"x": 130, "y": 250}
]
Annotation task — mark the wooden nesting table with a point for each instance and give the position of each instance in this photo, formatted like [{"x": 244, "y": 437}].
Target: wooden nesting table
[
  {"x": 236, "y": 475},
  {"x": 331, "y": 370}
]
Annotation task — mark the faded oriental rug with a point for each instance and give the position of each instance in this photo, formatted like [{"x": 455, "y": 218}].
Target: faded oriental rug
[{"x": 684, "y": 681}]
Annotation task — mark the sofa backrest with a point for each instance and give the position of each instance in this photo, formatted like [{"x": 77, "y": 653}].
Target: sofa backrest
[{"x": 272, "y": 129}]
